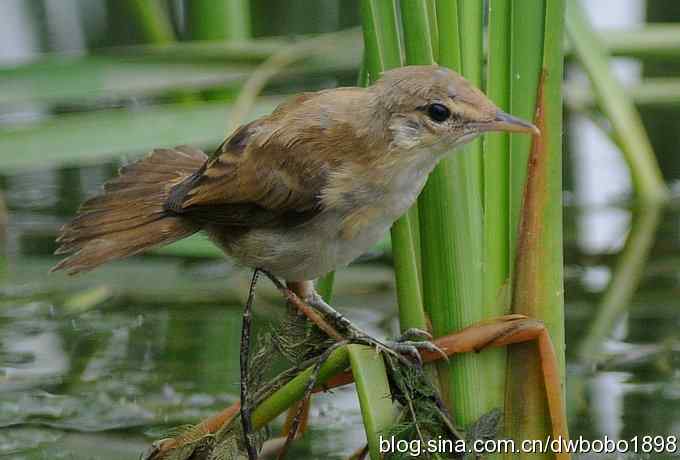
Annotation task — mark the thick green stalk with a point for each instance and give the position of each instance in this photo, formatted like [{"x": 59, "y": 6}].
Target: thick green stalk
[
  {"x": 538, "y": 276},
  {"x": 612, "y": 99},
  {"x": 435, "y": 211},
  {"x": 411, "y": 311},
  {"x": 219, "y": 19},
  {"x": 152, "y": 20},
  {"x": 418, "y": 51},
  {"x": 383, "y": 51},
  {"x": 496, "y": 164},
  {"x": 471, "y": 17},
  {"x": 552, "y": 258},
  {"x": 450, "y": 222},
  {"x": 526, "y": 53},
  {"x": 417, "y": 32},
  {"x": 381, "y": 36},
  {"x": 471, "y": 232},
  {"x": 434, "y": 30},
  {"x": 471, "y": 25},
  {"x": 375, "y": 398}
]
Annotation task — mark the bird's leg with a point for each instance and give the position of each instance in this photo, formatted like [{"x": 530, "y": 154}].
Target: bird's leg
[
  {"x": 409, "y": 344},
  {"x": 296, "y": 300},
  {"x": 336, "y": 319},
  {"x": 303, "y": 296},
  {"x": 245, "y": 355}
]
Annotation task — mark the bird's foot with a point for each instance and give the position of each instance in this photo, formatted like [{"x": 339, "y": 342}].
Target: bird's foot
[
  {"x": 406, "y": 351},
  {"x": 412, "y": 341},
  {"x": 405, "y": 348}
]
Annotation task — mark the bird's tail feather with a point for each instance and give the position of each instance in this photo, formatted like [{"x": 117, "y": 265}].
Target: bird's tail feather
[{"x": 130, "y": 216}]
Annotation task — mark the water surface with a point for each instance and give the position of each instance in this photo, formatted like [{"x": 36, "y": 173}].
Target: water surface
[{"x": 98, "y": 366}]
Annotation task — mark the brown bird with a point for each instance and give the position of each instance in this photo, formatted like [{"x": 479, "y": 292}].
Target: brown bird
[{"x": 297, "y": 193}]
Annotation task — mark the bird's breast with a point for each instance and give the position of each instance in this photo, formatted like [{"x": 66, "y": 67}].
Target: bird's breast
[{"x": 380, "y": 205}]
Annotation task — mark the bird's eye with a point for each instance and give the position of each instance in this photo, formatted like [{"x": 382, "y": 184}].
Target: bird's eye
[{"x": 438, "y": 112}]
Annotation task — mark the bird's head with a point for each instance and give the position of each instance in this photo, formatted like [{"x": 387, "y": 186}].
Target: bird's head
[{"x": 435, "y": 109}]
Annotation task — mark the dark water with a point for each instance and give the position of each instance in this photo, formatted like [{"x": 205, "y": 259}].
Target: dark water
[{"x": 99, "y": 366}]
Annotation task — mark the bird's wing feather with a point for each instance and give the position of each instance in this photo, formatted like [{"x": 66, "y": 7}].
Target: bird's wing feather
[{"x": 263, "y": 174}]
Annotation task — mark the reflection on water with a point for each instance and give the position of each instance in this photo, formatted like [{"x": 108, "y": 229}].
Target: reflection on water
[
  {"x": 98, "y": 366},
  {"x": 622, "y": 343},
  {"x": 135, "y": 370}
]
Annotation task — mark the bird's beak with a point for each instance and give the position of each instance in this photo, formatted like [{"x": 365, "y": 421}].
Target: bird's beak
[{"x": 508, "y": 123}]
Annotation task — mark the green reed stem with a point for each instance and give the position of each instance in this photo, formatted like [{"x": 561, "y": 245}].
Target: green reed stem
[
  {"x": 496, "y": 167},
  {"x": 153, "y": 21},
  {"x": 373, "y": 387},
  {"x": 219, "y": 19},
  {"x": 381, "y": 36},
  {"x": 293, "y": 391},
  {"x": 450, "y": 223},
  {"x": 538, "y": 270},
  {"x": 415, "y": 16},
  {"x": 383, "y": 51},
  {"x": 527, "y": 27},
  {"x": 434, "y": 30}
]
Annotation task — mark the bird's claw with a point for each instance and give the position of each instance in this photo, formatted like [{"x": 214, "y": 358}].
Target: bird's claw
[
  {"x": 407, "y": 351},
  {"x": 426, "y": 345},
  {"x": 414, "y": 334},
  {"x": 413, "y": 340}
]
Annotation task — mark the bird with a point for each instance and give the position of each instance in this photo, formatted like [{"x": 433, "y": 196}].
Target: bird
[
  {"x": 296, "y": 193},
  {"x": 300, "y": 192}
]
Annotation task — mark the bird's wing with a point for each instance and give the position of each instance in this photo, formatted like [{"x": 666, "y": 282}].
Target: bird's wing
[{"x": 263, "y": 174}]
